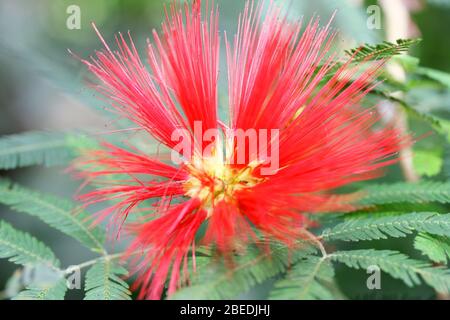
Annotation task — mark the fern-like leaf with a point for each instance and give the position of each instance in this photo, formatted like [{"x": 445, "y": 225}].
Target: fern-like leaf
[
  {"x": 34, "y": 148},
  {"x": 382, "y": 50},
  {"x": 217, "y": 280},
  {"x": 21, "y": 248},
  {"x": 55, "y": 291},
  {"x": 439, "y": 124},
  {"x": 437, "y": 248},
  {"x": 60, "y": 214},
  {"x": 398, "y": 265},
  {"x": 309, "y": 279},
  {"x": 103, "y": 282},
  {"x": 423, "y": 192},
  {"x": 396, "y": 226}
]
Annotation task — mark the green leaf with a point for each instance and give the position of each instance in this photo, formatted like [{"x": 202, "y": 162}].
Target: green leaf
[
  {"x": 441, "y": 77},
  {"x": 60, "y": 214},
  {"x": 422, "y": 192},
  {"x": 374, "y": 228},
  {"x": 218, "y": 280},
  {"x": 427, "y": 163},
  {"x": 382, "y": 50},
  {"x": 409, "y": 63},
  {"x": 81, "y": 143},
  {"x": 34, "y": 148},
  {"x": 103, "y": 282},
  {"x": 21, "y": 248},
  {"x": 309, "y": 279},
  {"x": 437, "y": 248},
  {"x": 399, "y": 266},
  {"x": 53, "y": 291}
]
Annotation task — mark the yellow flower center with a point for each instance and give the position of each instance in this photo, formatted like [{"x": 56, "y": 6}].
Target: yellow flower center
[{"x": 212, "y": 181}]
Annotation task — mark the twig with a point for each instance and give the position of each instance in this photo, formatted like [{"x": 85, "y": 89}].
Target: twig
[
  {"x": 107, "y": 257},
  {"x": 317, "y": 242},
  {"x": 397, "y": 25}
]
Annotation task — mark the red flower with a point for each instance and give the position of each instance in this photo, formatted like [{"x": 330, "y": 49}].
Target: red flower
[{"x": 279, "y": 81}]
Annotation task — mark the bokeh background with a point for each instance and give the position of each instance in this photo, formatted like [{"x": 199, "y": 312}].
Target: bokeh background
[{"x": 42, "y": 87}]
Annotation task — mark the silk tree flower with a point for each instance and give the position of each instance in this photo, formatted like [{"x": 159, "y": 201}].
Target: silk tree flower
[{"x": 278, "y": 80}]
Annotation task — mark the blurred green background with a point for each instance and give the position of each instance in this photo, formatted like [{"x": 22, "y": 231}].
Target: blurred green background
[{"x": 42, "y": 87}]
